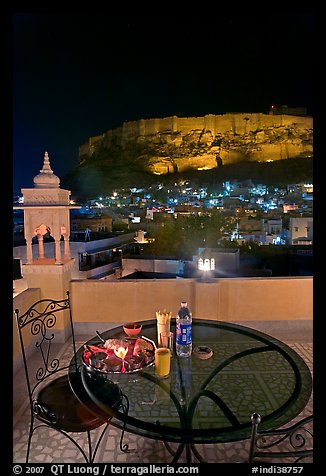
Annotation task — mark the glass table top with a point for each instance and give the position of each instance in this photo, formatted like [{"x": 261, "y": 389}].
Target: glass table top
[{"x": 205, "y": 400}]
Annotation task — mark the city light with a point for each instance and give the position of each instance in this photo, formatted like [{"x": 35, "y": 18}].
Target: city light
[{"x": 206, "y": 264}]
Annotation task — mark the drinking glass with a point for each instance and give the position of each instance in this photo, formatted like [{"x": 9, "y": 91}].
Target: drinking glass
[
  {"x": 163, "y": 319},
  {"x": 162, "y": 362},
  {"x": 166, "y": 340}
]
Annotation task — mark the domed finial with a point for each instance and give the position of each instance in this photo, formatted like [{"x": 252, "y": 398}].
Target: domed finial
[
  {"x": 46, "y": 165},
  {"x": 46, "y": 179}
]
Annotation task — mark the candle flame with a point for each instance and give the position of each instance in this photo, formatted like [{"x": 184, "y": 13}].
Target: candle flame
[{"x": 121, "y": 352}]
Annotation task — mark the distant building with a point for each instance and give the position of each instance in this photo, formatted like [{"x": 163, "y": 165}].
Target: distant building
[
  {"x": 300, "y": 231},
  {"x": 157, "y": 266},
  {"x": 271, "y": 226},
  {"x": 218, "y": 259},
  {"x": 141, "y": 238},
  {"x": 263, "y": 238},
  {"x": 291, "y": 111},
  {"x": 186, "y": 210},
  {"x": 288, "y": 207},
  {"x": 232, "y": 203},
  {"x": 249, "y": 225},
  {"x": 95, "y": 223},
  {"x": 265, "y": 231}
]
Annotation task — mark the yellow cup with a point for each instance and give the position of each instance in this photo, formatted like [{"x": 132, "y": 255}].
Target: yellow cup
[{"x": 162, "y": 362}]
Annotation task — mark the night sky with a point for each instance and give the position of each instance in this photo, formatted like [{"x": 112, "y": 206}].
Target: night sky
[{"x": 78, "y": 75}]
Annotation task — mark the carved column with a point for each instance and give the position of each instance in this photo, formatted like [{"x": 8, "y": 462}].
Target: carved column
[
  {"x": 29, "y": 250},
  {"x": 67, "y": 247},
  {"x": 57, "y": 252},
  {"x": 40, "y": 246}
]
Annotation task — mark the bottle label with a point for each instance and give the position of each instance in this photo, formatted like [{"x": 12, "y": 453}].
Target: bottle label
[{"x": 184, "y": 333}]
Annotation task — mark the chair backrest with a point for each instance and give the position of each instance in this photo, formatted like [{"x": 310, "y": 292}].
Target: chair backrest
[{"x": 39, "y": 322}]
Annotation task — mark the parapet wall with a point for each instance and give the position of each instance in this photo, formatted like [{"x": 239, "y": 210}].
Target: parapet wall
[
  {"x": 226, "y": 299},
  {"x": 98, "y": 304},
  {"x": 239, "y": 123}
]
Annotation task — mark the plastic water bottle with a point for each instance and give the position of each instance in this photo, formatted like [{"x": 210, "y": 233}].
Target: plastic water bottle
[{"x": 183, "y": 342}]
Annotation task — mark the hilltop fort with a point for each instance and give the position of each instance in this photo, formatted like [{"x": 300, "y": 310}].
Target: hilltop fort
[{"x": 177, "y": 144}]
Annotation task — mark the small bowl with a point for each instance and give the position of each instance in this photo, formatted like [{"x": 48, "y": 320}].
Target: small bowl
[
  {"x": 132, "y": 328},
  {"x": 203, "y": 352}
]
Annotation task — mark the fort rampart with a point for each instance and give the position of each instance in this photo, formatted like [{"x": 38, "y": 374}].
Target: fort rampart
[
  {"x": 234, "y": 123},
  {"x": 196, "y": 142},
  {"x": 217, "y": 124}
]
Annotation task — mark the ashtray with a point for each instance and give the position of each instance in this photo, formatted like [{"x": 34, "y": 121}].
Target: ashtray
[{"x": 203, "y": 352}]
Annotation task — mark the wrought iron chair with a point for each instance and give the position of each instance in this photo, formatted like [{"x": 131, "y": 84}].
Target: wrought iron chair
[
  {"x": 294, "y": 442},
  {"x": 52, "y": 401}
]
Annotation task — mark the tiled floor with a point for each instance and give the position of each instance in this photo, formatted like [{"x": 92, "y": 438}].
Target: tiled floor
[{"x": 49, "y": 446}]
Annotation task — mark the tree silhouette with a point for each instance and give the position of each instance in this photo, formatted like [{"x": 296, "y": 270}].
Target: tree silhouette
[{"x": 183, "y": 236}]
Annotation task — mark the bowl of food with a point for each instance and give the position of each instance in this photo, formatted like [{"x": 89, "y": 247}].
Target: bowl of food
[
  {"x": 132, "y": 328},
  {"x": 104, "y": 360}
]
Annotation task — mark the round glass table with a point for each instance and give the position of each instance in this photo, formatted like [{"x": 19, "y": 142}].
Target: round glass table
[{"x": 203, "y": 401}]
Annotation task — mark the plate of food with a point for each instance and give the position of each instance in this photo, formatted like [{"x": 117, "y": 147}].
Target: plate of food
[{"x": 124, "y": 355}]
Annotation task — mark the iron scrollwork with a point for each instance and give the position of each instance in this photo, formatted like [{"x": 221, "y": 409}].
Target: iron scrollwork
[
  {"x": 297, "y": 438},
  {"x": 124, "y": 406},
  {"x": 39, "y": 321}
]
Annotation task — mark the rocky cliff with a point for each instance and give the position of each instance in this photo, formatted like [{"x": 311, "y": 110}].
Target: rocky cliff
[{"x": 178, "y": 144}]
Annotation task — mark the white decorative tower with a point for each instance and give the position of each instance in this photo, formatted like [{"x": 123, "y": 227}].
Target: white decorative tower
[{"x": 47, "y": 211}]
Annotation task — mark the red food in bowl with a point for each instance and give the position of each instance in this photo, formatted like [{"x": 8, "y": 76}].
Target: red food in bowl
[{"x": 132, "y": 328}]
